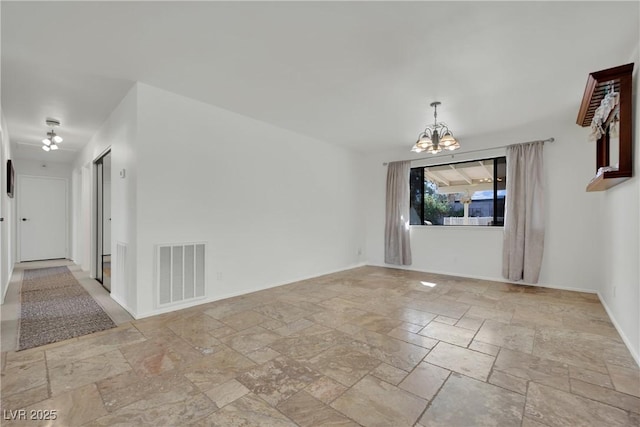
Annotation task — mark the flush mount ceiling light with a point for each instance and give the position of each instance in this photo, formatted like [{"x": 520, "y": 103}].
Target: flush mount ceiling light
[
  {"x": 436, "y": 138},
  {"x": 52, "y": 140}
]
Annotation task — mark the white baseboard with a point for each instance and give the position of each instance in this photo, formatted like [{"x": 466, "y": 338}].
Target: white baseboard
[
  {"x": 626, "y": 341},
  {"x": 6, "y": 288},
  {"x": 624, "y": 337},
  {"x": 121, "y": 303},
  {"x": 206, "y": 300},
  {"x": 492, "y": 279}
]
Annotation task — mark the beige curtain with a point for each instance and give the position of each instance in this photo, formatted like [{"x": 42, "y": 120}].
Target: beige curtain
[
  {"x": 397, "y": 249},
  {"x": 524, "y": 216}
]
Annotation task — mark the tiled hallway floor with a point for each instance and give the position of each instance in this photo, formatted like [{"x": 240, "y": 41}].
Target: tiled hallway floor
[
  {"x": 11, "y": 308},
  {"x": 368, "y": 346}
]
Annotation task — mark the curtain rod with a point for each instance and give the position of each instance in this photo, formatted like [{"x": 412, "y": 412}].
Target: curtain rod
[{"x": 479, "y": 150}]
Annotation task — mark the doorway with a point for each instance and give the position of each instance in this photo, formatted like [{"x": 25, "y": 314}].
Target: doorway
[
  {"x": 42, "y": 220},
  {"x": 103, "y": 220}
]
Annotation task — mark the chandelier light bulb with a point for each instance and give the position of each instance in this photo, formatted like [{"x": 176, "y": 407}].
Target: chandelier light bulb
[
  {"x": 57, "y": 139},
  {"x": 46, "y": 141},
  {"x": 46, "y": 148},
  {"x": 447, "y": 139},
  {"x": 54, "y": 147}
]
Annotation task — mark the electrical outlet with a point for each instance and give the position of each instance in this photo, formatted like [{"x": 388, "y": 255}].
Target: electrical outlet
[
  {"x": 219, "y": 275},
  {"x": 359, "y": 251}
]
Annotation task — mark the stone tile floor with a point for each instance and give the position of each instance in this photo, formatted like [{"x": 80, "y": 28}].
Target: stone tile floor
[{"x": 369, "y": 346}]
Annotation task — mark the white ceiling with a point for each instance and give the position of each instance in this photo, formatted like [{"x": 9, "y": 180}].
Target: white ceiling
[{"x": 358, "y": 74}]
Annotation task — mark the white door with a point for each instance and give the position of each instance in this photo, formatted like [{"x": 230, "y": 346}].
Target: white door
[{"x": 42, "y": 218}]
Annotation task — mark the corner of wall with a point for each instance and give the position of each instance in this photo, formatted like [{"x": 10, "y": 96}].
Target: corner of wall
[
  {"x": 194, "y": 161},
  {"x": 8, "y": 212},
  {"x": 620, "y": 290},
  {"x": 119, "y": 133},
  {"x": 635, "y": 352}
]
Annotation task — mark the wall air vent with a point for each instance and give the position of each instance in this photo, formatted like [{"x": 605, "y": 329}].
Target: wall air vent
[
  {"x": 179, "y": 272},
  {"x": 121, "y": 265}
]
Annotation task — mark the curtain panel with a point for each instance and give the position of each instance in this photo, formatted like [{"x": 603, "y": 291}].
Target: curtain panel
[
  {"x": 397, "y": 248},
  {"x": 524, "y": 224}
]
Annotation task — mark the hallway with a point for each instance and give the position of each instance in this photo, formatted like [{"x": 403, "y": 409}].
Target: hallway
[{"x": 11, "y": 307}]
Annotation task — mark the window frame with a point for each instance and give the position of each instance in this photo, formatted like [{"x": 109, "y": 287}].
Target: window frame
[{"x": 494, "y": 222}]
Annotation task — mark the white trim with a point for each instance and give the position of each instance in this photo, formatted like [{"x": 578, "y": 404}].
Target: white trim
[
  {"x": 192, "y": 303},
  {"x": 492, "y": 279},
  {"x": 120, "y": 302},
  {"x": 464, "y": 227},
  {"x": 4, "y": 294},
  {"x": 102, "y": 154},
  {"x": 19, "y": 213},
  {"x": 626, "y": 340}
]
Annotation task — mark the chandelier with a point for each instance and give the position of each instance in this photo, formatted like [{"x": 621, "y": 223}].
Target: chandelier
[
  {"x": 52, "y": 140},
  {"x": 437, "y": 137}
]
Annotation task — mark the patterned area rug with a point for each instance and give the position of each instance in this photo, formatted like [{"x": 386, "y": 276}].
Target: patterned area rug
[{"x": 56, "y": 307}]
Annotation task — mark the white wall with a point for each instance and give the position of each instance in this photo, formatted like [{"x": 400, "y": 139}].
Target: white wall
[
  {"x": 621, "y": 250},
  {"x": 76, "y": 219},
  {"x": 40, "y": 168},
  {"x": 119, "y": 132},
  {"x": 8, "y": 212},
  {"x": 272, "y": 205},
  {"x": 573, "y": 237},
  {"x": 592, "y": 239},
  {"x": 84, "y": 205},
  {"x": 201, "y": 173}
]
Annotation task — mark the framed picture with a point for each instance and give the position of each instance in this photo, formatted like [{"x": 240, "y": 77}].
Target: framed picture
[{"x": 11, "y": 178}]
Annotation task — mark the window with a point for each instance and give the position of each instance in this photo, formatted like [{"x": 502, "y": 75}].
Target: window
[{"x": 465, "y": 193}]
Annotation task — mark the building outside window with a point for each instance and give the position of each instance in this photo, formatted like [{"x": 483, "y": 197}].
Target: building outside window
[{"x": 464, "y": 193}]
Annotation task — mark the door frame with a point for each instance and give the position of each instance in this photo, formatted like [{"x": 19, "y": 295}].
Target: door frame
[
  {"x": 19, "y": 192},
  {"x": 4, "y": 220},
  {"x": 85, "y": 206},
  {"x": 96, "y": 267}
]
